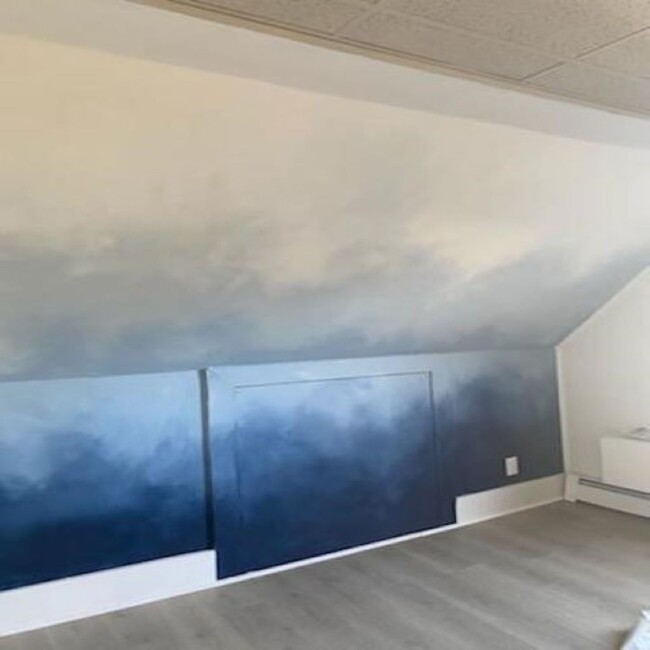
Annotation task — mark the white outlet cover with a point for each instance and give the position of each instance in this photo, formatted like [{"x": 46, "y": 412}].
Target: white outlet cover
[{"x": 512, "y": 466}]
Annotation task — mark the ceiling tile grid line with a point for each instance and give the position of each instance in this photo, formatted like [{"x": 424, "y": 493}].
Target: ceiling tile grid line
[
  {"x": 559, "y": 60},
  {"x": 423, "y": 20},
  {"x": 600, "y": 56},
  {"x": 542, "y": 72},
  {"x": 597, "y": 84},
  {"x": 614, "y": 43},
  {"x": 461, "y": 31},
  {"x": 600, "y": 69},
  {"x": 566, "y": 28},
  {"x": 446, "y": 46},
  {"x": 369, "y": 10},
  {"x": 630, "y": 55}
]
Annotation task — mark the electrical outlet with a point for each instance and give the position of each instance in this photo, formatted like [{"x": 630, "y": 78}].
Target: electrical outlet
[{"x": 512, "y": 466}]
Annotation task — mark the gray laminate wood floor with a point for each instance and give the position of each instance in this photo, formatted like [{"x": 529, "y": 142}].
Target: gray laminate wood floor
[{"x": 560, "y": 576}]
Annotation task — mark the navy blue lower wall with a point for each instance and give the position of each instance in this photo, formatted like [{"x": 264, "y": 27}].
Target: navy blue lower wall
[
  {"x": 98, "y": 473},
  {"x": 491, "y": 405},
  {"x": 306, "y": 458},
  {"x": 317, "y": 457},
  {"x": 323, "y": 465}
]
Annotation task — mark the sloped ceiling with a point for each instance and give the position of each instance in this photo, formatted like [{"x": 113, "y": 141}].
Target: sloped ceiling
[{"x": 157, "y": 217}]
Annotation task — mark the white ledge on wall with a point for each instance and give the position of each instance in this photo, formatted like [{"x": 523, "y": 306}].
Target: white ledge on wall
[
  {"x": 473, "y": 508},
  {"x": 61, "y": 601}
]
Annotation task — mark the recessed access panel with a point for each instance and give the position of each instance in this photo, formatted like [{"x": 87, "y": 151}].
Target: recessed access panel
[{"x": 305, "y": 468}]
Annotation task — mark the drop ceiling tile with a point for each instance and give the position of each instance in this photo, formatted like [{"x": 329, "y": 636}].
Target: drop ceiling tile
[
  {"x": 631, "y": 55},
  {"x": 325, "y": 16},
  {"x": 563, "y": 27},
  {"x": 444, "y": 46},
  {"x": 597, "y": 85}
]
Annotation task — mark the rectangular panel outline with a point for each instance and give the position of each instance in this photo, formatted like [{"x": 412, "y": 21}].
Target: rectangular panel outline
[{"x": 225, "y": 382}]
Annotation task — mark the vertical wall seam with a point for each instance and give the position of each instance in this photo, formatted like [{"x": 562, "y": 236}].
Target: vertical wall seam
[
  {"x": 206, "y": 443},
  {"x": 562, "y": 408},
  {"x": 441, "y": 478}
]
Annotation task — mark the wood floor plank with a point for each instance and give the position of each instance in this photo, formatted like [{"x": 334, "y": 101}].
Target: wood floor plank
[
  {"x": 39, "y": 640},
  {"x": 202, "y": 627},
  {"x": 560, "y": 577}
]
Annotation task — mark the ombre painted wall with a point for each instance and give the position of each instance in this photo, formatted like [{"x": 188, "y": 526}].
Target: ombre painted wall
[
  {"x": 157, "y": 217},
  {"x": 160, "y": 217},
  {"x": 491, "y": 405},
  {"x": 317, "y": 457},
  {"x": 297, "y": 460},
  {"x": 99, "y": 473},
  {"x": 325, "y": 464}
]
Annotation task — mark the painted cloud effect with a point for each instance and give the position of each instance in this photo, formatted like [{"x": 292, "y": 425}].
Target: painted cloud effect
[
  {"x": 333, "y": 474},
  {"x": 153, "y": 217},
  {"x": 98, "y": 473}
]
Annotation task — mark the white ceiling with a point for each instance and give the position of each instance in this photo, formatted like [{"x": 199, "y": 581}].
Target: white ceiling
[{"x": 591, "y": 51}]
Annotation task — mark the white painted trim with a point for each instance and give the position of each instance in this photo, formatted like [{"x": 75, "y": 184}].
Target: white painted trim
[
  {"x": 571, "y": 488},
  {"x": 615, "y": 500},
  {"x": 471, "y": 509},
  {"x": 60, "y": 601},
  {"x": 70, "y": 599},
  {"x": 474, "y": 508}
]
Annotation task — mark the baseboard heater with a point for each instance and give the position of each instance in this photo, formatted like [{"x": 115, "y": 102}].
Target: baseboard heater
[
  {"x": 599, "y": 485},
  {"x": 597, "y": 492}
]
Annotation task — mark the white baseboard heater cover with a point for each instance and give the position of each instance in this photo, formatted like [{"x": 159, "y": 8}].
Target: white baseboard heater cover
[{"x": 599, "y": 493}]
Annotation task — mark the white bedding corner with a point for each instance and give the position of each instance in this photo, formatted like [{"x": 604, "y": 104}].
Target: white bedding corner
[{"x": 640, "y": 637}]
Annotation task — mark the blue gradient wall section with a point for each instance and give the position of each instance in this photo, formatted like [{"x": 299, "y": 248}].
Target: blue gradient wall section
[
  {"x": 491, "y": 405},
  {"x": 234, "y": 221},
  {"x": 317, "y": 457},
  {"x": 98, "y": 473},
  {"x": 304, "y": 458},
  {"x": 326, "y": 465}
]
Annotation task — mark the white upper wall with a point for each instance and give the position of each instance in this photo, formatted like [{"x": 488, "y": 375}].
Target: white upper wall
[{"x": 605, "y": 375}]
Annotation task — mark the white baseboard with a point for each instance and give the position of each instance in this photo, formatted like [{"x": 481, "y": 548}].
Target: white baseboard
[
  {"x": 606, "y": 496},
  {"x": 61, "y": 601},
  {"x": 70, "y": 599},
  {"x": 473, "y": 508}
]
